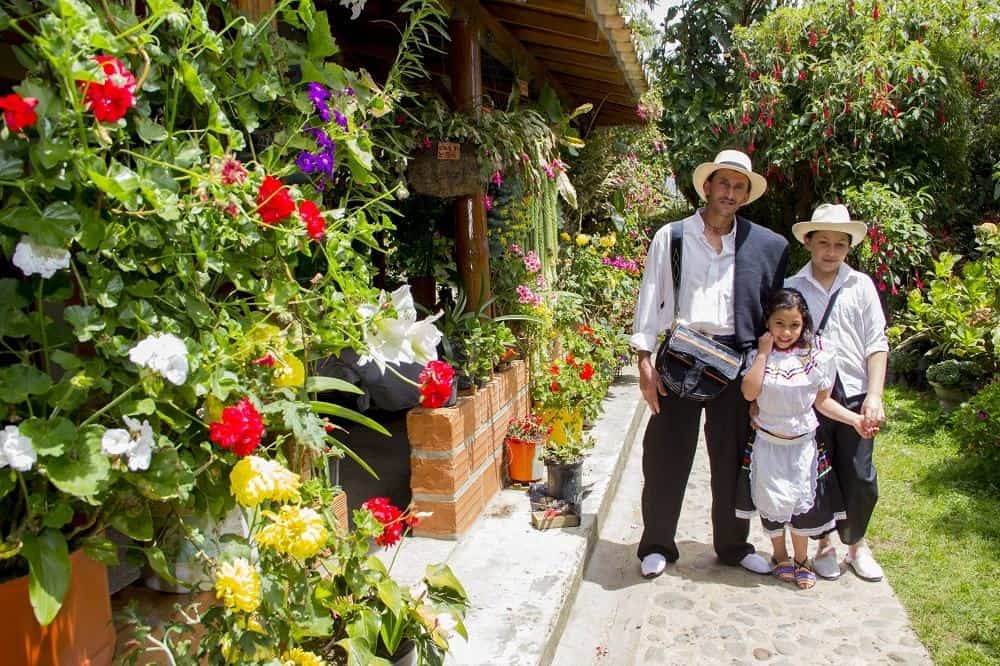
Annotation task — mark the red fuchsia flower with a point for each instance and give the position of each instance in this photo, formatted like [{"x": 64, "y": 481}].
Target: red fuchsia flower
[
  {"x": 813, "y": 39},
  {"x": 267, "y": 361},
  {"x": 233, "y": 172},
  {"x": 239, "y": 430},
  {"x": 232, "y": 209},
  {"x": 751, "y": 148},
  {"x": 769, "y": 123},
  {"x": 554, "y": 369},
  {"x": 112, "y": 99},
  {"x": 497, "y": 178},
  {"x": 745, "y": 120},
  {"x": 570, "y": 360},
  {"x": 426, "y": 143},
  {"x": 876, "y": 14},
  {"x": 18, "y": 112},
  {"x": 313, "y": 219},
  {"x": 274, "y": 203},
  {"x": 435, "y": 384},
  {"x": 554, "y": 387},
  {"x": 587, "y": 372},
  {"x": 488, "y": 202},
  {"x": 882, "y": 285}
]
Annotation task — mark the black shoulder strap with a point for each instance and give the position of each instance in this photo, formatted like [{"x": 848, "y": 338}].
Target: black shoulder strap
[
  {"x": 826, "y": 313},
  {"x": 676, "y": 255}
]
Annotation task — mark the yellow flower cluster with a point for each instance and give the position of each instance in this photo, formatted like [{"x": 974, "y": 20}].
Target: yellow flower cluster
[
  {"x": 300, "y": 657},
  {"x": 296, "y": 531},
  {"x": 582, "y": 240},
  {"x": 289, "y": 372},
  {"x": 237, "y": 584},
  {"x": 254, "y": 480},
  {"x": 609, "y": 240}
]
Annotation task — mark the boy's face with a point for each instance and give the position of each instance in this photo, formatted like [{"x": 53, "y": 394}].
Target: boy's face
[{"x": 828, "y": 249}]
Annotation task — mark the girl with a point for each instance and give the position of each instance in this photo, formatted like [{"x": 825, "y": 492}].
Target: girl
[{"x": 784, "y": 476}]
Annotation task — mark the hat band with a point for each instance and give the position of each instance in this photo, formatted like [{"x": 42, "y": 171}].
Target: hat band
[{"x": 735, "y": 164}]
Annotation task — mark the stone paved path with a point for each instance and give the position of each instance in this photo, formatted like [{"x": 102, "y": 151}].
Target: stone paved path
[{"x": 700, "y": 612}]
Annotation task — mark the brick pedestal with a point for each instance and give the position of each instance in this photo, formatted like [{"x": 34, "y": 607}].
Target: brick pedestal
[{"x": 456, "y": 453}]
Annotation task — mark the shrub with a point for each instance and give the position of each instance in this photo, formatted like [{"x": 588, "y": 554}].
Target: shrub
[{"x": 976, "y": 424}]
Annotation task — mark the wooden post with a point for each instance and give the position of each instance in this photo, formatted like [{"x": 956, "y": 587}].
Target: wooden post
[
  {"x": 472, "y": 253},
  {"x": 254, "y": 9}
]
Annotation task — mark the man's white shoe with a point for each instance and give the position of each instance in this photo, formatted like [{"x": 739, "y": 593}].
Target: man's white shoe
[
  {"x": 653, "y": 565},
  {"x": 864, "y": 565},
  {"x": 755, "y": 563},
  {"x": 825, "y": 564}
]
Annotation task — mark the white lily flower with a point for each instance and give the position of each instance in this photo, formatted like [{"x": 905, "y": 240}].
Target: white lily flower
[
  {"x": 418, "y": 590},
  {"x": 399, "y": 339},
  {"x": 402, "y": 303},
  {"x": 165, "y": 353},
  {"x": 136, "y": 443},
  {"x": 424, "y": 338},
  {"x": 32, "y": 257},
  {"x": 445, "y": 623},
  {"x": 16, "y": 450}
]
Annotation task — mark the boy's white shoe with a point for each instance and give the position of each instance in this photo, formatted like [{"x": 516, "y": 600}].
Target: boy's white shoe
[
  {"x": 653, "y": 565},
  {"x": 825, "y": 563},
  {"x": 864, "y": 565},
  {"x": 755, "y": 563}
]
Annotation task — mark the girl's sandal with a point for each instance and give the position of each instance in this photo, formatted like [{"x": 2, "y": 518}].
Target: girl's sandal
[
  {"x": 804, "y": 577},
  {"x": 784, "y": 570}
]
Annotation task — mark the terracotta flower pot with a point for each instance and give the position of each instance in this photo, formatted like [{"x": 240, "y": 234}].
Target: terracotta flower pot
[
  {"x": 82, "y": 633},
  {"x": 521, "y": 456}
]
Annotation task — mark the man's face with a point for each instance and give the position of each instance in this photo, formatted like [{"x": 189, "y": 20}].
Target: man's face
[
  {"x": 828, "y": 249},
  {"x": 726, "y": 192}
]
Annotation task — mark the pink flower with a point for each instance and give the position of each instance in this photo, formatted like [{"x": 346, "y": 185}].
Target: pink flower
[
  {"x": 233, "y": 172},
  {"x": 525, "y": 296},
  {"x": 532, "y": 263},
  {"x": 426, "y": 143},
  {"x": 497, "y": 178},
  {"x": 488, "y": 202}
]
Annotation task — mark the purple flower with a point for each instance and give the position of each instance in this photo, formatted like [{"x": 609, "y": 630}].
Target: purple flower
[
  {"x": 322, "y": 138},
  {"x": 340, "y": 119},
  {"x": 982, "y": 415},
  {"x": 318, "y": 94},
  {"x": 349, "y": 91}
]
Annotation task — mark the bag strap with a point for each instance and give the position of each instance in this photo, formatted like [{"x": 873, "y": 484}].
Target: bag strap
[
  {"x": 676, "y": 257},
  {"x": 829, "y": 309}
]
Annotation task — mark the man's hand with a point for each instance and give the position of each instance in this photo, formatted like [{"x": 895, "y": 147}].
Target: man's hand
[
  {"x": 649, "y": 383},
  {"x": 873, "y": 412}
]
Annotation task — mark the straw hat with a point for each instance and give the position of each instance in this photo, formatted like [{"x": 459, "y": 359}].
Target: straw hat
[
  {"x": 733, "y": 160},
  {"x": 831, "y": 217}
]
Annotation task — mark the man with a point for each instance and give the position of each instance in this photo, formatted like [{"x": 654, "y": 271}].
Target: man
[
  {"x": 729, "y": 267},
  {"x": 856, "y": 332}
]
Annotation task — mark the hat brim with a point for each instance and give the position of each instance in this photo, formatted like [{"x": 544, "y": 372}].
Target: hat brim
[
  {"x": 856, "y": 229},
  {"x": 758, "y": 184}
]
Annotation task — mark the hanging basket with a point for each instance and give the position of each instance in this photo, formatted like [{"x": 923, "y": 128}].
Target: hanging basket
[{"x": 445, "y": 178}]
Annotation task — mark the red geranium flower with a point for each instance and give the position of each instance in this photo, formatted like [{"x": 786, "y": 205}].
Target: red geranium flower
[
  {"x": 274, "y": 203},
  {"x": 587, "y": 372},
  {"x": 112, "y": 99},
  {"x": 239, "y": 430},
  {"x": 267, "y": 360},
  {"x": 435, "y": 384},
  {"x": 570, "y": 360},
  {"x": 554, "y": 387},
  {"x": 311, "y": 217},
  {"x": 389, "y": 515},
  {"x": 18, "y": 112}
]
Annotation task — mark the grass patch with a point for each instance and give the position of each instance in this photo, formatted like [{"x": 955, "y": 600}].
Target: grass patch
[{"x": 936, "y": 531}]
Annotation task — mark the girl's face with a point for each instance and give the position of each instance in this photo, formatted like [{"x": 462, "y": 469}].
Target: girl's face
[{"x": 785, "y": 327}]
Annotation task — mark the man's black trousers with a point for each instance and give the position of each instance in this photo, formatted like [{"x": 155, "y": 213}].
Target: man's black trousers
[{"x": 668, "y": 452}]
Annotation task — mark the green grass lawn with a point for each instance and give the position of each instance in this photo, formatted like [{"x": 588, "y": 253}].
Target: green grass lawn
[{"x": 936, "y": 531}]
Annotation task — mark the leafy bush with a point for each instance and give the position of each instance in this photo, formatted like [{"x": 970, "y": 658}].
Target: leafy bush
[
  {"x": 976, "y": 424},
  {"x": 566, "y": 453},
  {"x": 954, "y": 373}
]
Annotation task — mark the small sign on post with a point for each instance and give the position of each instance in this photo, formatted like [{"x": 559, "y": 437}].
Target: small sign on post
[
  {"x": 522, "y": 87},
  {"x": 449, "y": 151}
]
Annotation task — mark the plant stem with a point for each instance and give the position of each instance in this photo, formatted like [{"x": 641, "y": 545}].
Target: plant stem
[
  {"x": 41, "y": 327},
  {"x": 90, "y": 419}
]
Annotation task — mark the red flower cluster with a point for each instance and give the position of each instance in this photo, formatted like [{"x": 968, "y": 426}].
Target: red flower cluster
[
  {"x": 393, "y": 520},
  {"x": 587, "y": 372},
  {"x": 274, "y": 203},
  {"x": 435, "y": 384},
  {"x": 311, "y": 217},
  {"x": 18, "y": 112},
  {"x": 239, "y": 430},
  {"x": 267, "y": 360},
  {"x": 111, "y": 100}
]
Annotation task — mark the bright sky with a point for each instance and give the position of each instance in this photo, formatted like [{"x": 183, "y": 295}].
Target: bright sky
[{"x": 660, "y": 11}]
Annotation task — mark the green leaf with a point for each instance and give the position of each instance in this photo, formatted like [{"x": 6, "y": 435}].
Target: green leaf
[
  {"x": 49, "y": 437},
  {"x": 388, "y": 592},
  {"x": 58, "y": 516},
  {"x": 321, "y": 43},
  {"x": 19, "y": 381},
  {"x": 358, "y": 653},
  {"x": 83, "y": 470},
  {"x": 100, "y": 549},
  {"x": 48, "y": 572},
  {"x": 189, "y": 74},
  {"x": 364, "y": 627},
  {"x": 8, "y": 481},
  {"x": 133, "y": 519},
  {"x": 349, "y": 414},
  {"x": 167, "y": 477},
  {"x": 158, "y": 562},
  {"x": 11, "y": 168},
  {"x": 321, "y": 384},
  {"x": 86, "y": 320},
  {"x": 55, "y": 226},
  {"x": 440, "y": 576},
  {"x": 150, "y": 131}
]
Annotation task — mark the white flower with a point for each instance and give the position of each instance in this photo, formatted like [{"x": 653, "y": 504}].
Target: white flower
[
  {"x": 136, "y": 443},
  {"x": 402, "y": 303},
  {"x": 399, "y": 339},
  {"x": 387, "y": 343},
  {"x": 445, "y": 624},
  {"x": 424, "y": 337},
  {"x": 165, "y": 353},
  {"x": 418, "y": 590},
  {"x": 32, "y": 257},
  {"x": 16, "y": 450}
]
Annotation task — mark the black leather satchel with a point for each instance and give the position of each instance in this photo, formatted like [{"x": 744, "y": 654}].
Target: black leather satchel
[{"x": 693, "y": 365}]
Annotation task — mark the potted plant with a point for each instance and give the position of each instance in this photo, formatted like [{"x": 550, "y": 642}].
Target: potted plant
[
  {"x": 952, "y": 381},
  {"x": 566, "y": 392},
  {"x": 524, "y": 434},
  {"x": 564, "y": 467}
]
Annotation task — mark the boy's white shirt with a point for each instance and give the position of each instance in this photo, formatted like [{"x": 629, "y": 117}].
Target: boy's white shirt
[{"x": 856, "y": 328}]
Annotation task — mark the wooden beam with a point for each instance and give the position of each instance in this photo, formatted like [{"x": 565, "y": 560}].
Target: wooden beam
[
  {"x": 539, "y": 20},
  {"x": 595, "y": 75},
  {"x": 591, "y": 60},
  {"x": 505, "y": 47},
  {"x": 542, "y": 38},
  {"x": 601, "y": 87},
  {"x": 577, "y": 8}
]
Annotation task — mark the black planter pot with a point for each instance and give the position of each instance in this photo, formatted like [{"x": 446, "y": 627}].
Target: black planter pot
[{"x": 565, "y": 481}]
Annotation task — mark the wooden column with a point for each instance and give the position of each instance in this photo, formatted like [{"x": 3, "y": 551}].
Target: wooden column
[
  {"x": 472, "y": 253},
  {"x": 254, "y": 9}
]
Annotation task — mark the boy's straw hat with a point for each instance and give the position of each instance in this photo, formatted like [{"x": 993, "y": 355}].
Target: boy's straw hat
[
  {"x": 831, "y": 217},
  {"x": 733, "y": 160}
]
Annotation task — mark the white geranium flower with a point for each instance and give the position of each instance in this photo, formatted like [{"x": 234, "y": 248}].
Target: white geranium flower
[
  {"x": 16, "y": 450},
  {"x": 32, "y": 257},
  {"x": 165, "y": 353},
  {"x": 136, "y": 443}
]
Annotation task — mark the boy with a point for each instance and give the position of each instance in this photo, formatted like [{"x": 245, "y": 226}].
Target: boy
[{"x": 855, "y": 329}]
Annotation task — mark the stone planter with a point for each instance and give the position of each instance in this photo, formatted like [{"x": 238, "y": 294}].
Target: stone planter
[{"x": 949, "y": 397}]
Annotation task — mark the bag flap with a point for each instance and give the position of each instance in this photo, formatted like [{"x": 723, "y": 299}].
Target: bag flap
[{"x": 685, "y": 340}]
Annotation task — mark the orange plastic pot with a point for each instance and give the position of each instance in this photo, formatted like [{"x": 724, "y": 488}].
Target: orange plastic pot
[
  {"x": 82, "y": 633},
  {"x": 521, "y": 455}
]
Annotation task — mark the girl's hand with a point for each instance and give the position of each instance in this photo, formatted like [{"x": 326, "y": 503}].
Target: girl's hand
[
  {"x": 765, "y": 344},
  {"x": 863, "y": 427}
]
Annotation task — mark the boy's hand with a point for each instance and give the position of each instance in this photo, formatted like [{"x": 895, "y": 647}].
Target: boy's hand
[
  {"x": 861, "y": 425},
  {"x": 765, "y": 344},
  {"x": 873, "y": 412}
]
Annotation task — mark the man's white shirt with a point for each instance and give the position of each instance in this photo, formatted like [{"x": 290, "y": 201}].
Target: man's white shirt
[
  {"x": 706, "y": 298},
  {"x": 856, "y": 328}
]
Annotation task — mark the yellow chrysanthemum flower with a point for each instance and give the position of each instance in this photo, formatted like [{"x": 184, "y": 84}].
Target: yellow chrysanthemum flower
[
  {"x": 565, "y": 237},
  {"x": 289, "y": 372},
  {"x": 296, "y": 531},
  {"x": 300, "y": 657},
  {"x": 237, "y": 584},
  {"x": 254, "y": 480},
  {"x": 609, "y": 240},
  {"x": 582, "y": 239}
]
